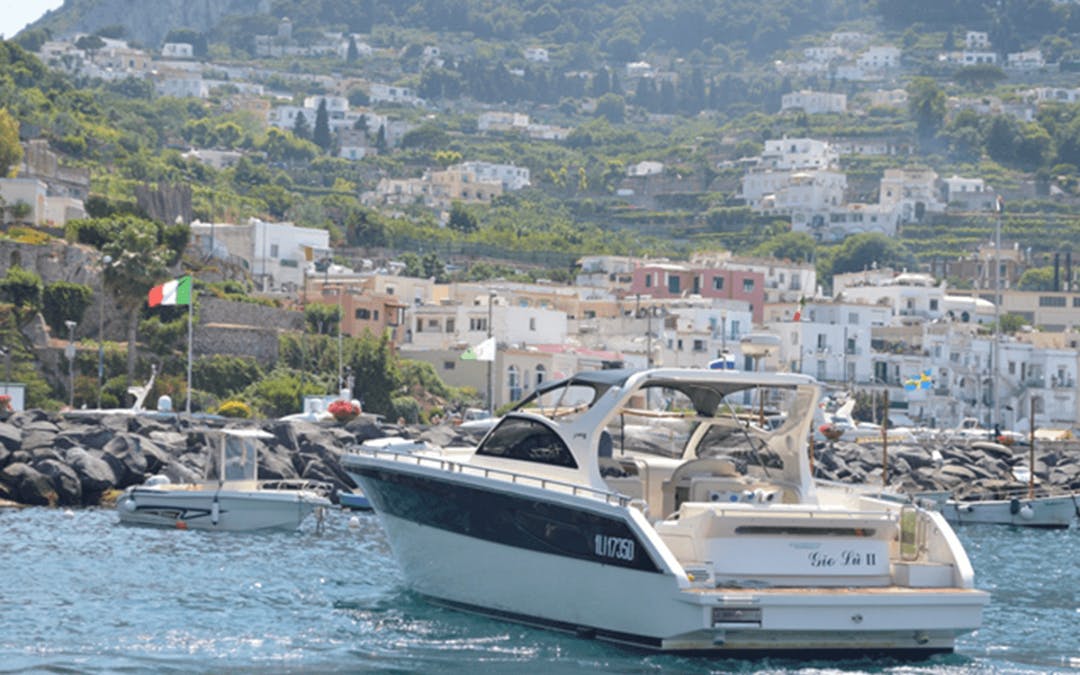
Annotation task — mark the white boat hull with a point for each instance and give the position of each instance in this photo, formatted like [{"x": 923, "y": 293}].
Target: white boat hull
[
  {"x": 1048, "y": 512},
  {"x": 212, "y": 509},
  {"x": 453, "y": 547}
]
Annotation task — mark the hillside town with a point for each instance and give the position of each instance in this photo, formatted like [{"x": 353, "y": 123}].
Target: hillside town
[{"x": 873, "y": 330}]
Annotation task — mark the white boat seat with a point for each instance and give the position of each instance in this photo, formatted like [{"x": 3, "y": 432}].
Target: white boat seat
[{"x": 676, "y": 489}]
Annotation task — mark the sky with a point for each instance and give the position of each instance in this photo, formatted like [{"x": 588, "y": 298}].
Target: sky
[{"x": 17, "y": 13}]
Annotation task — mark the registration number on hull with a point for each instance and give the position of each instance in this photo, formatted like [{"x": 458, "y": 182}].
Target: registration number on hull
[{"x": 616, "y": 548}]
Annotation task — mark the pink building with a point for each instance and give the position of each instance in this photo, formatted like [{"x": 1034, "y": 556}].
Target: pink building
[{"x": 667, "y": 280}]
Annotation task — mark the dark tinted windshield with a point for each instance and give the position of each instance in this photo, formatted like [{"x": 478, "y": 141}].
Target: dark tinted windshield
[{"x": 528, "y": 441}]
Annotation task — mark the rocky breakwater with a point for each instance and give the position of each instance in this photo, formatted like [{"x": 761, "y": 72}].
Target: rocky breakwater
[
  {"x": 81, "y": 459},
  {"x": 966, "y": 471}
]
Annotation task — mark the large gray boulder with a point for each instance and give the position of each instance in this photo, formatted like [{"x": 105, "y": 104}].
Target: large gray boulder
[
  {"x": 64, "y": 480},
  {"x": 27, "y": 485},
  {"x": 95, "y": 474},
  {"x": 125, "y": 456},
  {"x": 10, "y": 436}
]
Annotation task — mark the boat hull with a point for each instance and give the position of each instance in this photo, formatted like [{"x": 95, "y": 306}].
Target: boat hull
[
  {"x": 236, "y": 510},
  {"x": 1045, "y": 512},
  {"x": 597, "y": 569}
]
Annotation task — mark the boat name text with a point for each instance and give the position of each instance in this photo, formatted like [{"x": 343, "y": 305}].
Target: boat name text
[{"x": 846, "y": 558}]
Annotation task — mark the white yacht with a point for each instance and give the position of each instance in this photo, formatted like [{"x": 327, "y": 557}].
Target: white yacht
[
  {"x": 651, "y": 508},
  {"x": 230, "y": 498}
]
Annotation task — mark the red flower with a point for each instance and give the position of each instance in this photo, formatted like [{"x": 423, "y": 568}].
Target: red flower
[{"x": 343, "y": 410}]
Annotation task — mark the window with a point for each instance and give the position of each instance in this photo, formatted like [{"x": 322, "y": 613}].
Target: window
[
  {"x": 362, "y": 314},
  {"x": 821, "y": 342},
  {"x": 673, "y": 283},
  {"x": 449, "y": 325},
  {"x": 513, "y": 382},
  {"x": 532, "y": 323},
  {"x": 375, "y": 315},
  {"x": 1051, "y": 301},
  {"x": 648, "y": 281},
  {"x": 273, "y": 250},
  {"x": 478, "y": 324},
  {"x": 718, "y": 283},
  {"x": 748, "y": 285},
  {"x": 933, "y": 305},
  {"x": 433, "y": 324},
  {"x": 449, "y": 365},
  {"x": 699, "y": 345},
  {"x": 541, "y": 375},
  {"x": 527, "y": 441},
  {"x": 1076, "y": 302}
]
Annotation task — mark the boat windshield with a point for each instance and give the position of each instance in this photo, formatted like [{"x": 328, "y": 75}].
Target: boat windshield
[
  {"x": 232, "y": 458},
  {"x": 663, "y": 421}
]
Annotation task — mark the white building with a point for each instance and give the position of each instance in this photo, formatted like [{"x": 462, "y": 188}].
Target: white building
[
  {"x": 881, "y": 57},
  {"x": 1031, "y": 59},
  {"x": 177, "y": 50},
  {"x": 814, "y": 102},
  {"x": 969, "y": 193},
  {"x": 276, "y": 253},
  {"x": 976, "y": 40},
  {"x": 798, "y": 153},
  {"x": 645, "y": 168},
  {"x": 512, "y": 177},
  {"x": 536, "y": 54},
  {"x": 831, "y": 341},
  {"x": 459, "y": 325},
  {"x": 24, "y": 194}
]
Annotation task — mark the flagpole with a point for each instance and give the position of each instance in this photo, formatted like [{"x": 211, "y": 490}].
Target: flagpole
[{"x": 191, "y": 312}]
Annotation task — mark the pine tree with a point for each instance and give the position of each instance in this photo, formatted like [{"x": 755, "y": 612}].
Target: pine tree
[
  {"x": 300, "y": 127},
  {"x": 352, "y": 54},
  {"x": 321, "y": 135}
]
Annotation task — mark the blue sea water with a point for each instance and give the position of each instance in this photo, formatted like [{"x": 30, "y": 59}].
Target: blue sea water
[{"x": 81, "y": 594}]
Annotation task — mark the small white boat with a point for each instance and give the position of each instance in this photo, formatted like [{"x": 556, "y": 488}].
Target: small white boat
[
  {"x": 710, "y": 536},
  {"x": 231, "y": 498},
  {"x": 1047, "y": 511}
]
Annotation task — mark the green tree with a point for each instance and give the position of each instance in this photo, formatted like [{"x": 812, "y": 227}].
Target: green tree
[
  {"x": 461, "y": 219},
  {"x": 139, "y": 262},
  {"x": 376, "y": 372},
  {"x": 11, "y": 151},
  {"x": 224, "y": 375},
  {"x": 321, "y": 136},
  {"x": 21, "y": 287},
  {"x": 1037, "y": 279},
  {"x": 301, "y": 128},
  {"x": 797, "y": 246},
  {"x": 980, "y": 76},
  {"x": 926, "y": 104},
  {"x": 64, "y": 301},
  {"x": 862, "y": 251},
  {"x": 1011, "y": 323},
  {"x": 611, "y": 107},
  {"x": 322, "y": 318}
]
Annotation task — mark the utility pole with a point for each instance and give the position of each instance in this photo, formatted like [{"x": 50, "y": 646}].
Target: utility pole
[
  {"x": 105, "y": 261},
  {"x": 490, "y": 364},
  {"x": 70, "y": 352}
]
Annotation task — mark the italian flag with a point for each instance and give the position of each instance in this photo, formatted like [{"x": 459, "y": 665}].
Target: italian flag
[{"x": 175, "y": 292}]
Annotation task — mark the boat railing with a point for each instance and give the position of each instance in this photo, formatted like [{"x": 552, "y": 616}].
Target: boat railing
[
  {"x": 1021, "y": 492},
  {"x": 575, "y": 489}
]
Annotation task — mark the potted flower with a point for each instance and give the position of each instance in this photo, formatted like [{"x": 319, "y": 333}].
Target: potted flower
[{"x": 344, "y": 411}]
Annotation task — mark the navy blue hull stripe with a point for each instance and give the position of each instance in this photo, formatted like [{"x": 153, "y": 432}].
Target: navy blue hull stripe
[{"x": 504, "y": 518}]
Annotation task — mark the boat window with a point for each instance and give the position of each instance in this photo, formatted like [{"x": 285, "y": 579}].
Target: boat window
[{"x": 527, "y": 440}]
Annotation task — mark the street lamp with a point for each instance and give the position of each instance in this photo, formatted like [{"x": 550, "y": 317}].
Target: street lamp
[
  {"x": 105, "y": 262},
  {"x": 70, "y": 352}
]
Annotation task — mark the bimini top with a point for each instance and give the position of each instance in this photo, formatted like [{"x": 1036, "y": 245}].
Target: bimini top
[{"x": 704, "y": 388}]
